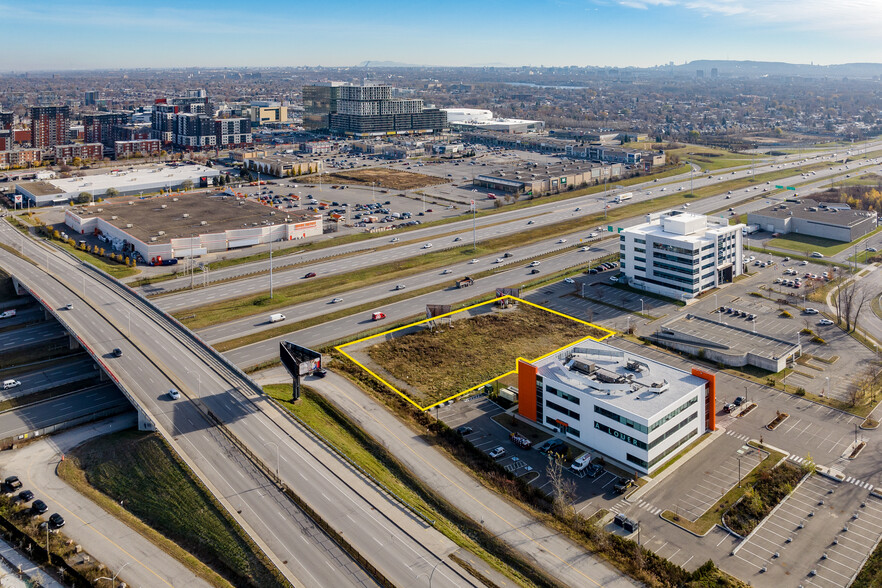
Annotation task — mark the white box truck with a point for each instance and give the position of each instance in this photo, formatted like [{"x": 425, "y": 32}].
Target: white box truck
[
  {"x": 274, "y": 318},
  {"x": 7, "y": 314},
  {"x": 580, "y": 464},
  {"x": 624, "y": 196}
]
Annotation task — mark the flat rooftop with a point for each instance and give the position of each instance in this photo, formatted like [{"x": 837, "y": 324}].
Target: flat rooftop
[
  {"x": 809, "y": 209},
  {"x": 124, "y": 180},
  {"x": 723, "y": 338},
  {"x": 647, "y": 389},
  {"x": 222, "y": 213},
  {"x": 541, "y": 172}
]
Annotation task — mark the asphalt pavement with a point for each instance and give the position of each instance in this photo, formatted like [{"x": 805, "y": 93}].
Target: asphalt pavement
[
  {"x": 117, "y": 546},
  {"x": 29, "y": 336}
]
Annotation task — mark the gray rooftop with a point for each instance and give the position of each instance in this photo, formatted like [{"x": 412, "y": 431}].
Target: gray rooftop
[
  {"x": 809, "y": 209},
  {"x": 638, "y": 385}
]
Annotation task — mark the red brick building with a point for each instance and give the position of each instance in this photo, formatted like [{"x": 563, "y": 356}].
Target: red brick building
[
  {"x": 50, "y": 126},
  {"x": 65, "y": 153},
  {"x": 20, "y": 157},
  {"x": 123, "y": 149}
]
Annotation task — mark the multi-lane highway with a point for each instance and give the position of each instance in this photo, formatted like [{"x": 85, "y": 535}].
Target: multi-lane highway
[
  {"x": 30, "y": 336},
  {"x": 51, "y": 374},
  {"x": 103, "y": 399},
  {"x": 157, "y": 357}
]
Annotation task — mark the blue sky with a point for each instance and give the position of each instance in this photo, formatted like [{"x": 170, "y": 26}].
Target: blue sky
[{"x": 161, "y": 33}]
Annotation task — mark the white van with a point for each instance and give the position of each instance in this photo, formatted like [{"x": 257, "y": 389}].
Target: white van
[
  {"x": 7, "y": 384},
  {"x": 580, "y": 463},
  {"x": 274, "y": 318}
]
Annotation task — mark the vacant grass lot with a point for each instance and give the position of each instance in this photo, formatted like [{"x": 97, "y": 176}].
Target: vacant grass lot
[
  {"x": 141, "y": 470},
  {"x": 806, "y": 244},
  {"x": 705, "y": 156},
  {"x": 448, "y": 360},
  {"x": 393, "y": 179}
]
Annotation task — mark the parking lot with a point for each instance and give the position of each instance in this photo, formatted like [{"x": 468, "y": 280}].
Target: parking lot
[
  {"x": 819, "y": 536},
  {"x": 705, "y": 491}
]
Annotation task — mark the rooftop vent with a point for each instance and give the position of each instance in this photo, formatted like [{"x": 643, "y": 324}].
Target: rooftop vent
[
  {"x": 634, "y": 366},
  {"x": 99, "y": 210},
  {"x": 128, "y": 225},
  {"x": 153, "y": 238},
  {"x": 114, "y": 217},
  {"x": 160, "y": 233},
  {"x": 585, "y": 367},
  {"x": 186, "y": 215},
  {"x": 203, "y": 223},
  {"x": 130, "y": 202},
  {"x": 163, "y": 206},
  {"x": 174, "y": 199}
]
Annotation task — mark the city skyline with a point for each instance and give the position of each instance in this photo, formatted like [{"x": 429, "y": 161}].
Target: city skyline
[{"x": 642, "y": 33}]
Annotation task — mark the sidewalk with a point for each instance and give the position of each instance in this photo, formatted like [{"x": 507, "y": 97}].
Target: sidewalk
[{"x": 29, "y": 570}]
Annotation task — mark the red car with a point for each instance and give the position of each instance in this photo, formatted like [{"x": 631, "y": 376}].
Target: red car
[
  {"x": 378, "y": 316},
  {"x": 310, "y": 275}
]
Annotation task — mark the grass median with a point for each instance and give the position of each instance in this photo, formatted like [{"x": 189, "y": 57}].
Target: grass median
[
  {"x": 140, "y": 472},
  {"x": 374, "y": 458}
]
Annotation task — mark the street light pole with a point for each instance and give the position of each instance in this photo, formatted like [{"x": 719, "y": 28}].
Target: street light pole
[
  {"x": 271, "y": 268},
  {"x": 474, "y": 229},
  {"x": 115, "y": 576}
]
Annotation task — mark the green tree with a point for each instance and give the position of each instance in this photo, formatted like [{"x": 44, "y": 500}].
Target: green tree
[
  {"x": 84, "y": 197},
  {"x": 111, "y": 193},
  {"x": 187, "y": 185}
]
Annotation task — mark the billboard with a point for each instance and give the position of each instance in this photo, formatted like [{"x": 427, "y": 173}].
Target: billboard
[{"x": 299, "y": 361}]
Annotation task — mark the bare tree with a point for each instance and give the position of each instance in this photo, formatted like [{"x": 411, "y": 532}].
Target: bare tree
[
  {"x": 850, "y": 300},
  {"x": 563, "y": 488}
]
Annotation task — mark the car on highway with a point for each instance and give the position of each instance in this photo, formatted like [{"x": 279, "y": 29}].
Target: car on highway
[
  {"x": 497, "y": 452},
  {"x": 117, "y": 352},
  {"x": 25, "y": 496},
  {"x": 336, "y": 300},
  {"x": 530, "y": 222},
  {"x": 174, "y": 394},
  {"x": 457, "y": 240},
  {"x": 534, "y": 263},
  {"x": 507, "y": 255},
  {"x": 499, "y": 260},
  {"x": 427, "y": 246},
  {"x": 583, "y": 249},
  {"x": 68, "y": 307},
  {"x": 447, "y": 271},
  {"x": 535, "y": 270},
  {"x": 39, "y": 507},
  {"x": 569, "y": 281},
  {"x": 825, "y": 322},
  {"x": 400, "y": 287},
  {"x": 872, "y": 249},
  {"x": 559, "y": 241},
  {"x": 378, "y": 316},
  {"x": 309, "y": 275},
  {"x": 395, "y": 239},
  {"x": 474, "y": 261},
  {"x": 577, "y": 210}
]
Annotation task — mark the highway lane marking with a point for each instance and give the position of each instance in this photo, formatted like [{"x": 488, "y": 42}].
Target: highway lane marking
[{"x": 466, "y": 492}]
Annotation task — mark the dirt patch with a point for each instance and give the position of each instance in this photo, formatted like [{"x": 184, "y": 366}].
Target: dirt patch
[
  {"x": 436, "y": 364},
  {"x": 385, "y": 178}
]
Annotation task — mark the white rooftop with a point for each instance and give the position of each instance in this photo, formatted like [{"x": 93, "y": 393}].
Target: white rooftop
[
  {"x": 648, "y": 393},
  {"x": 127, "y": 180},
  {"x": 684, "y": 226}
]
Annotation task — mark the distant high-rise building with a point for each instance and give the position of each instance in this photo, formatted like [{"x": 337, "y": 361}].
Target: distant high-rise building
[
  {"x": 200, "y": 93},
  {"x": 370, "y": 110},
  {"x": 162, "y": 119},
  {"x": 194, "y": 131},
  {"x": 5, "y": 139},
  {"x": 699, "y": 73},
  {"x": 99, "y": 127},
  {"x": 319, "y": 101},
  {"x": 6, "y": 120},
  {"x": 714, "y": 72},
  {"x": 90, "y": 98},
  {"x": 50, "y": 126},
  {"x": 232, "y": 132}
]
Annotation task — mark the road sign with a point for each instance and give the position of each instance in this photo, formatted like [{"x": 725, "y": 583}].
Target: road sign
[
  {"x": 609, "y": 228},
  {"x": 786, "y": 187}
]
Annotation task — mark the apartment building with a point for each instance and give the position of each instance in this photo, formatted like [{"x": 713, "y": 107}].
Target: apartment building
[
  {"x": 232, "y": 133},
  {"x": 66, "y": 153},
  {"x": 146, "y": 147},
  {"x": 319, "y": 101},
  {"x": 99, "y": 128},
  {"x": 50, "y": 126},
  {"x": 20, "y": 157},
  {"x": 194, "y": 131},
  {"x": 680, "y": 255}
]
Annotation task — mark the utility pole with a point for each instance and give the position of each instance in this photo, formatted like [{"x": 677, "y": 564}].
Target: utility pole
[
  {"x": 474, "y": 230},
  {"x": 271, "y": 268}
]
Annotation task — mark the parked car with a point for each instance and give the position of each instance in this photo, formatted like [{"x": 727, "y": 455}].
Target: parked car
[
  {"x": 464, "y": 430},
  {"x": 739, "y": 401},
  {"x": 811, "y": 311},
  {"x": 25, "y": 496},
  {"x": 56, "y": 520},
  {"x": 623, "y": 485},
  {"x": 39, "y": 507},
  {"x": 729, "y": 407},
  {"x": 12, "y": 483},
  {"x": 497, "y": 452},
  {"x": 825, "y": 322}
]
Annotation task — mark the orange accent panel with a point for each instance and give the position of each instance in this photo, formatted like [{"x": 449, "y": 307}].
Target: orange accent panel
[
  {"x": 711, "y": 408},
  {"x": 527, "y": 390}
]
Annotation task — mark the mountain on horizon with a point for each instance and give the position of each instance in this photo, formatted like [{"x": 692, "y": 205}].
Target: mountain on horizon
[{"x": 780, "y": 68}]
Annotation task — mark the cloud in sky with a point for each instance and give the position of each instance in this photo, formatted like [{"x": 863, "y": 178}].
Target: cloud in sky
[{"x": 852, "y": 16}]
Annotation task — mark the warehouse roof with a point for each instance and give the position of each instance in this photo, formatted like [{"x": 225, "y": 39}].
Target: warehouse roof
[
  {"x": 148, "y": 216},
  {"x": 809, "y": 209}
]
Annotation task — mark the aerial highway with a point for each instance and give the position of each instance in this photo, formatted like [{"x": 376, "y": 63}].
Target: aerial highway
[
  {"x": 351, "y": 257},
  {"x": 236, "y": 460},
  {"x": 30, "y": 336}
]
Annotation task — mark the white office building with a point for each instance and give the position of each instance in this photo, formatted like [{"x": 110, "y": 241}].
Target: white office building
[
  {"x": 630, "y": 409},
  {"x": 680, "y": 255}
]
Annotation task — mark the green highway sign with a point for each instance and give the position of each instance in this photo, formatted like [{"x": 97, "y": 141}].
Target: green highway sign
[
  {"x": 609, "y": 228},
  {"x": 786, "y": 187}
]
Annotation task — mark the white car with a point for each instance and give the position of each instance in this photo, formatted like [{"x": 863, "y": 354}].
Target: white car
[
  {"x": 583, "y": 249},
  {"x": 499, "y": 260},
  {"x": 427, "y": 246},
  {"x": 534, "y": 263},
  {"x": 447, "y": 271},
  {"x": 474, "y": 261},
  {"x": 811, "y": 311},
  {"x": 592, "y": 235},
  {"x": 803, "y": 262},
  {"x": 395, "y": 239},
  {"x": 497, "y": 453},
  {"x": 825, "y": 322},
  {"x": 174, "y": 394},
  {"x": 336, "y": 300},
  {"x": 400, "y": 287},
  {"x": 569, "y": 280},
  {"x": 561, "y": 241},
  {"x": 613, "y": 279}
]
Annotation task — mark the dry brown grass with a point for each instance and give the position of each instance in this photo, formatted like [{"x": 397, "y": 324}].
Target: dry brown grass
[
  {"x": 440, "y": 363},
  {"x": 385, "y": 178}
]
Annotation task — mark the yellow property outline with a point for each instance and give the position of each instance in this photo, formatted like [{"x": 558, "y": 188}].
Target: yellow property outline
[{"x": 340, "y": 348}]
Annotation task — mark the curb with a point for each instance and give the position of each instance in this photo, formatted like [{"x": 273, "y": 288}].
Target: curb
[{"x": 768, "y": 516}]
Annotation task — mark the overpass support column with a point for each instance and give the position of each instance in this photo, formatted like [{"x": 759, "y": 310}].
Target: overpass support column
[
  {"x": 144, "y": 422},
  {"x": 74, "y": 344}
]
